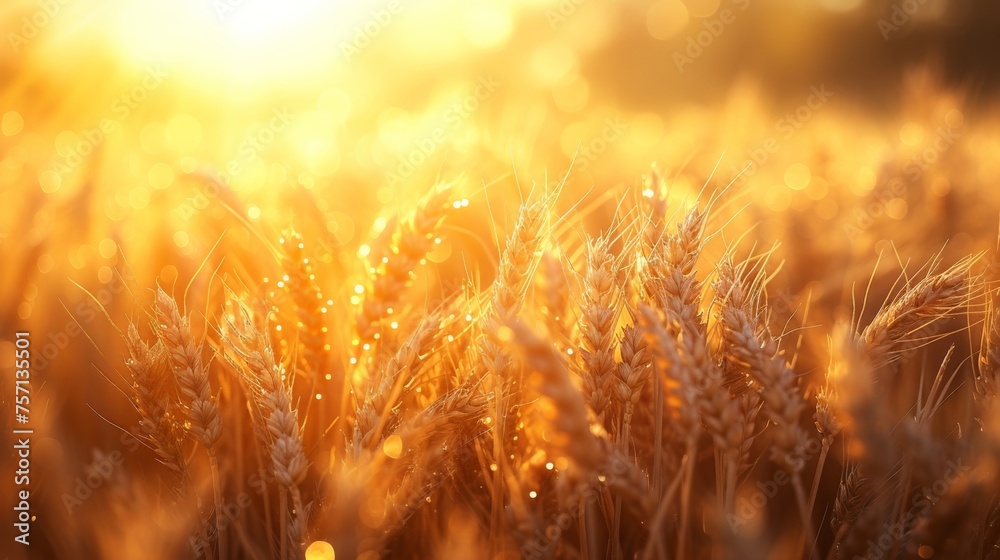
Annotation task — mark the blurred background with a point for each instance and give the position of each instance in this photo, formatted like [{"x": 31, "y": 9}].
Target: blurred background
[{"x": 135, "y": 135}]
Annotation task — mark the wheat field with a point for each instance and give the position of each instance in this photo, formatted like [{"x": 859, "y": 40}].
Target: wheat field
[{"x": 342, "y": 312}]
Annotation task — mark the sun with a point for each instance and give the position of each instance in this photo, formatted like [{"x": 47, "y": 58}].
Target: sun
[{"x": 242, "y": 41}]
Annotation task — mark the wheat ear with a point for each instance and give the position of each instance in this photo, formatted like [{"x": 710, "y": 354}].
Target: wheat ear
[
  {"x": 677, "y": 379},
  {"x": 517, "y": 266},
  {"x": 675, "y": 287},
  {"x": 552, "y": 289},
  {"x": 677, "y": 290},
  {"x": 191, "y": 375},
  {"x": 309, "y": 303},
  {"x": 849, "y": 504},
  {"x": 988, "y": 378},
  {"x": 158, "y": 424},
  {"x": 750, "y": 346},
  {"x": 198, "y": 401},
  {"x": 916, "y": 309},
  {"x": 382, "y": 395},
  {"x": 598, "y": 321},
  {"x": 631, "y": 377},
  {"x": 275, "y": 420},
  {"x": 413, "y": 239},
  {"x": 567, "y": 414}
]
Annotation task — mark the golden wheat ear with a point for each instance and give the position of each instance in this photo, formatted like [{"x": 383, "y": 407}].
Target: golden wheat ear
[
  {"x": 751, "y": 348},
  {"x": 599, "y": 313},
  {"x": 912, "y": 316},
  {"x": 988, "y": 374},
  {"x": 374, "y": 412},
  {"x": 276, "y": 421},
  {"x": 631, "y": 378},
  {"x": 310, "y": 305},
  {"x": 190, "y": 373},
  {"x": 158, "y": 423},
  {"x": 388, "y": 279},
  {"x": 517, "y": 267}
]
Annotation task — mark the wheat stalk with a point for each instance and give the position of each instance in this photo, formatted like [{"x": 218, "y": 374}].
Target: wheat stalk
[
  {"x": 678, "y": 381},
  {"x": 198, "y": 401},
  {"x": 506, "y": 296},
  {"x": 678, "y": 292},
  {"x": 275, "y": 420},
  {"x": 750, "y": 347},
  {"x": 158, "y": 425}
]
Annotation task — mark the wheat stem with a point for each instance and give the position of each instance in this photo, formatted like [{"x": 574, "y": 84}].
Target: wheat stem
[
  {"x": 220, "y": 527},
  {"x": 283, "y": 524},
  {"x": 818, "y": 475}
]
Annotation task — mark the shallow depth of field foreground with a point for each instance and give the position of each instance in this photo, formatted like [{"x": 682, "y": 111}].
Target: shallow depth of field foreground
[{"x": 685, "y": 279}]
